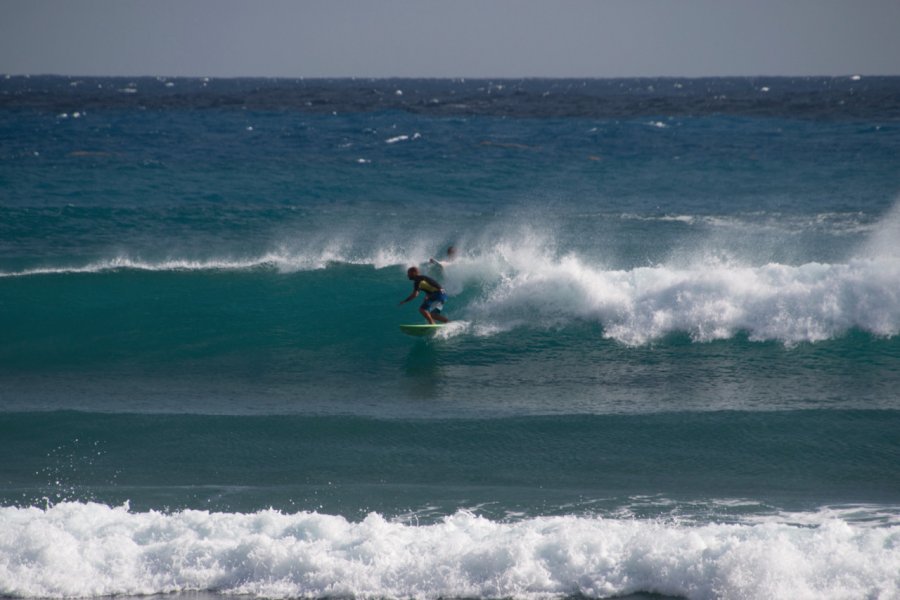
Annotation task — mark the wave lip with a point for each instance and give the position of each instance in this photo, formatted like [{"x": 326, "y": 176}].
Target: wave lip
[
  {"x": 277, "y": 260},
  {"x": 792, "y": 304},
  {"x": 89, "y": 550},
  {"x": 282, "y": 259}
]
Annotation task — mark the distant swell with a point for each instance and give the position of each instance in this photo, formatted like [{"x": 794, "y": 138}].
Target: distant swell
[{"x": 81, "y": 550}]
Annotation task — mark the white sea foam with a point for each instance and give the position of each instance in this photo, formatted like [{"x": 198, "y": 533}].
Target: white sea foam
[
  {"x": 127, "y": 263},
  {"x": 90, "y": 550},
  {"x": 709, "y": 300},
  {"x": 280, "y": 260},
  {"x": 403, "y": 138},
  {"x": 454, "y": 329},
  {"x": 527, "y": 282},
  {"x": 832, "y": 223},
  {"x": 884, "y": 241}
]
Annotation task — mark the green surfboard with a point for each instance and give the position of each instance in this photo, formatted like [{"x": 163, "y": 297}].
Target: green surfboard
[{"x": 420, "y": 330}]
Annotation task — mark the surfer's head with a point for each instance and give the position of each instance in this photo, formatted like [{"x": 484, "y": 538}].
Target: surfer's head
[{"x": 412, "y": 273}]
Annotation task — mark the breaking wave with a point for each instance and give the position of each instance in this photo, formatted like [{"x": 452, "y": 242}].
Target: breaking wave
[
  {"x": 90, "y": 550},
  {"x": 513, "y": 279}
]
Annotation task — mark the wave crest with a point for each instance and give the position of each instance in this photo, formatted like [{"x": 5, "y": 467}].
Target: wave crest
[{"x": 810, "y": 302}]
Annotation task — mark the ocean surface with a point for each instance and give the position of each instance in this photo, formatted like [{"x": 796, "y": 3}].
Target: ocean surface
[{"x": 672, "y": 367}]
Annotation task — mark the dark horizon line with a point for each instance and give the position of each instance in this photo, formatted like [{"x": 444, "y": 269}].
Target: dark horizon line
[{"x": 450, "y": 78}]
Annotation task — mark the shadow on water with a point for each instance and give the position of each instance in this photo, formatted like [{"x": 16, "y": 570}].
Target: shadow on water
[{"x": 423, "y": 373}]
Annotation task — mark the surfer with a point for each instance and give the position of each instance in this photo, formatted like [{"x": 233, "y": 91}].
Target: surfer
[
  {"x": 434, "y": 296},
  {"x": 451, "y": 255}
]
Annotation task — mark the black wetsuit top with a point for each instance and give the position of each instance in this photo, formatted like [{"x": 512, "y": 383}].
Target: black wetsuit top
[{"x": 426, "y": 284}]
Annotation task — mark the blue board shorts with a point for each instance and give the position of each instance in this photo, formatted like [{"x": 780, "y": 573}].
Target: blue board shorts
[{"x": 434, "y": 302}]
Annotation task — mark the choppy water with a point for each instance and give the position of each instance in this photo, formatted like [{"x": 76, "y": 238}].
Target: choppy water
[{"x": 672, "y": 368}]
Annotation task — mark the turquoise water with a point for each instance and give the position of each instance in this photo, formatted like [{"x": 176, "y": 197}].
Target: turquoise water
[{"x": 672, "y": 366}]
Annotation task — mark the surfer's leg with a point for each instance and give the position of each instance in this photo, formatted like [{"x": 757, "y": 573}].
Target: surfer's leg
[
  {"x": 434, "y": 303},
  {"x": 427, "y": 315}
]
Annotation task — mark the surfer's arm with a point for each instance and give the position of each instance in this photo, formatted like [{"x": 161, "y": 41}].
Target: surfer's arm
[{"x": 415, "y": 293}]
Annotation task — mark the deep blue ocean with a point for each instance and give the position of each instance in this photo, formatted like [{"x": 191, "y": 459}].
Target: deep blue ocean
[{"x": 672, "y": 367}]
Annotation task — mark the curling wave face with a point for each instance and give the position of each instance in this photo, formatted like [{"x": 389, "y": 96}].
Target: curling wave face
[{"x": 500, "y": 286}]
